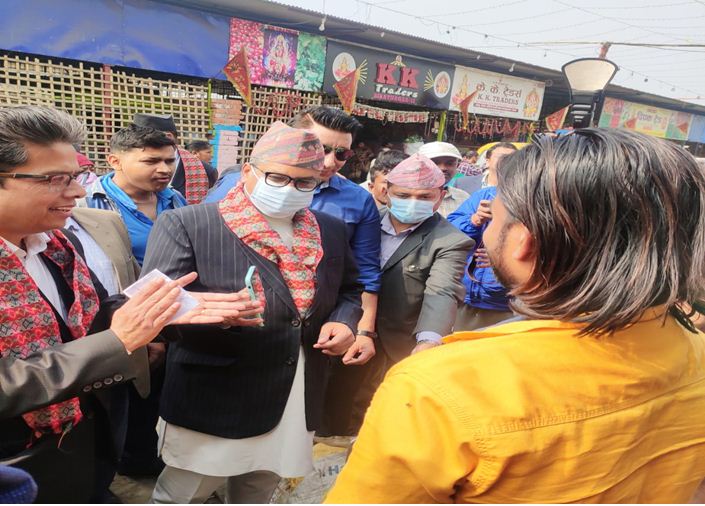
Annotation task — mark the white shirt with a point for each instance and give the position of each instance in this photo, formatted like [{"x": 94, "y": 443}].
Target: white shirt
[
  {"x": 97, "y": 260},
  {"x": 34, "y": 245}
]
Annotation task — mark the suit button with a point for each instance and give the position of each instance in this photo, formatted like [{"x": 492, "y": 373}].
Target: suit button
[
  {"x": 290, "y": 361},
  {"x": 295, "y": 322},
  {"x": 118, "y": 377},
  {"x": 97, "y": 385},
  {"x": 307, "y": 323},
  {"x": 87, "y": 388},
  {"x": 108, "y": 381}
]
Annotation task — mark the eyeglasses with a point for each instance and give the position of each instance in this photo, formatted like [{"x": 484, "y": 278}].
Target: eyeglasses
[
  {"x": 56, "y": 182},
  {"x": 303, "y": 184},
  {"x": 341, "y": 154}
]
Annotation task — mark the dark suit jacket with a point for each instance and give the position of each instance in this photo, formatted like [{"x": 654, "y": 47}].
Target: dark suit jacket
[
  {"x": 421, "y": 286},
  {"x": 235, "y": 383}
]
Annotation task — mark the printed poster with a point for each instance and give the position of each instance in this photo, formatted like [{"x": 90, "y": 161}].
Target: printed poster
[
  {"x": 278, "y": 56},
  {"x": 497, "y": 94},
  {"x": 649, "y": 120}
]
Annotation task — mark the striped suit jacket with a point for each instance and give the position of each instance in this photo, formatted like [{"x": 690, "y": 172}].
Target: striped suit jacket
[{"x": 235, "y": 382}]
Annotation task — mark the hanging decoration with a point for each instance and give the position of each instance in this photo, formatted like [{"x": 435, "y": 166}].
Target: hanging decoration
[
  {"x": 490, "y": 128},
  {"x": 238, "y": 73},
  {"x": 346, "y": 89},
  {"x": 392, "y": 116},
  {"x": 464, "y": 105},
  {"x": 555, "y": 121}
]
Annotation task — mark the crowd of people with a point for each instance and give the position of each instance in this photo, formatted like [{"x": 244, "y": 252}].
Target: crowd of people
[{"x": 525, "y": 330}]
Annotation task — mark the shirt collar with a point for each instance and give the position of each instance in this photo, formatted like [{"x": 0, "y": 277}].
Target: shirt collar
[
  {"x": 334, "y": 182},
  {"x": 118, "y": 194},
  {"x": 72, "y": 225},
  {"x": 33, "y": 245},
  {"x": 388, "y": 228}
]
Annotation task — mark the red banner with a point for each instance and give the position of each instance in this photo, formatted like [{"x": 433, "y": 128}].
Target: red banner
[
  {"x": 555, "y": 121},
  {"x": 238, "y": 73},
  {"x": 347, "y": 90}
]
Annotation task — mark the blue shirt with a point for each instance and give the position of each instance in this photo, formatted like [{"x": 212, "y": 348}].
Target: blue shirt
[
  {"x": 349, "y": 202},
  {"x": 225, "y": 183},
  {"x": 138, "y": 224},
  {"x": 355, "y": 206},
  {"x": 484, "y": 292}
]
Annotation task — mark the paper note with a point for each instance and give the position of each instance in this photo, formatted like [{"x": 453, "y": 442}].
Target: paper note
[{"x": 187, "y": 301}]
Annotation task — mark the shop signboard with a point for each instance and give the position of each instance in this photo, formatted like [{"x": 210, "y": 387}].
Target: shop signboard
[
  {"x": 497, "y": 94},
  {"x": 389, "y": 77},
  {"x": 646, "y": 119},
  {"x": 697, "y": 130},
  {"x": 278, "y": 56}
]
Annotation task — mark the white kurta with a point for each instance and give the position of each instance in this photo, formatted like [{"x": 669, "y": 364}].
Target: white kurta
[{"x": 286, "y": 450}]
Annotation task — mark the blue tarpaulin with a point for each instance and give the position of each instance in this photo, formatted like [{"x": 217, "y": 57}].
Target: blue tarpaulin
[
  {"x": 697, "y": 129},
  {"x": 132, "y": 33}
]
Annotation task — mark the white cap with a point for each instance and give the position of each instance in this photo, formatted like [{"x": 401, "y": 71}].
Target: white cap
[{"x": 437, "y": 149}]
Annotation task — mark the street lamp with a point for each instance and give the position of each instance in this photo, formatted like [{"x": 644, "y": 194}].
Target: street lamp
[{"x": 587, "y": 78}]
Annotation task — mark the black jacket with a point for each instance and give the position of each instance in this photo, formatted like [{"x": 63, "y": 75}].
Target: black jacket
[{"x": 235, "y": 383}]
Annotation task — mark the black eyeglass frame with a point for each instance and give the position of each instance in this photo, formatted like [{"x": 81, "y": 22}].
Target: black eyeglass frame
[
  {"x": 47, "y": 177},
  {"x": 296, "y": 180}
]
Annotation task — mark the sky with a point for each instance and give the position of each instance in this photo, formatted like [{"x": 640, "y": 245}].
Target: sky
[{"x": 547, "y": 33}]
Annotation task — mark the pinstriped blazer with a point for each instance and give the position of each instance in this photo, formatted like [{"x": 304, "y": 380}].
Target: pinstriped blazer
[{"x": 235, "y": 382}]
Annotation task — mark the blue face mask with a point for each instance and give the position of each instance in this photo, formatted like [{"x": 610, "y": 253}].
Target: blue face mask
[{"x": 411, "y": 211}]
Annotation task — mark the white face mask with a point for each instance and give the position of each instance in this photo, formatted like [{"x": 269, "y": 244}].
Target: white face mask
[{"x": 279, "y": 202}]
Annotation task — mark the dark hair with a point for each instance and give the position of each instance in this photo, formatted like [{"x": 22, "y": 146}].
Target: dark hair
[
  {"x": 194, "y": 146},
  {"x": 386, "y": 161},
  {"x": 138, "y": 137},
  {"x": 34, "y": 124},
  {"x": 471, "y": 152},
  {"x": 328, "y": 117},
  {"x": 505, "y": 145},
  {"x": 618, "y": 220}
]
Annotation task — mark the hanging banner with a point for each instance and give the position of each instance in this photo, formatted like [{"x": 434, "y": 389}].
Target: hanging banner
[
  {"x": 555, "y": 121},
  {"x": 278, "y": 56},
  {"x": 497, "y": 94},
  {"x": 646, "y": 119},
  {"x": 389, "y": 77},
  {"x": 389, "y": 115}
]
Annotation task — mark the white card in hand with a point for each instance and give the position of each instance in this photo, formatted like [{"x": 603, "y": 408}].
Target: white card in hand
[{"x": 187, "y": 301}]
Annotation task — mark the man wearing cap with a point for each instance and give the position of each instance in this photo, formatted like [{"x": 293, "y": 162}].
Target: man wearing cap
[
  {"x": 240, "y": 404},
  {"x": 191, "y": 178},
  {"x": 447, "y": 158},
  {"x": 422, "y": 266}
]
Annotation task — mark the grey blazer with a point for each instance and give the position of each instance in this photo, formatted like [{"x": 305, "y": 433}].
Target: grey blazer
[{"x": 421, "y": 286}]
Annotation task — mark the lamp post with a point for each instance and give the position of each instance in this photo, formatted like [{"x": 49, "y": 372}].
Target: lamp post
[{"x": 587, "y": 79}]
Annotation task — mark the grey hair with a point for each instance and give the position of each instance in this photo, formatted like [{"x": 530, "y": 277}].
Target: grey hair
[
  {"x": 618, "y": 221},
  {"x": 34, "y": 124}
]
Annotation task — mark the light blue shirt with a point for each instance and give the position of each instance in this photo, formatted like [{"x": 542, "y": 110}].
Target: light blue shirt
[
  {"x": 97, "y": 260},
  {"x": 138, "y": 224}
]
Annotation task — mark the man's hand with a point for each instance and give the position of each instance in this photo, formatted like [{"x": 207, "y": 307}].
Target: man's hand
[
  {"x": 482, "y": 259},
  {"x": 424, "y": 345},
  {"x": 229, "y": 309},
  {"x": 143, "y": 316},
  {"x": 362, "y": 350},
  {"x": 483, "y": 214},
  {"x": 335, "y": 339}
]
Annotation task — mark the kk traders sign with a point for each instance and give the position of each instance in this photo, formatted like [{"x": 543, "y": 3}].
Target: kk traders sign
[
  {"x": 497, "y": 94},
  {"x": 389, "y": 77}
]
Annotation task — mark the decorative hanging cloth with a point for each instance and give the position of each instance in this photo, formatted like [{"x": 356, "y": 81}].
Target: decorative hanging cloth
[
  {"x": 297, "y": 265},
  {"x": 196, "y": 177},
  {"x": 28, "y": 323}
]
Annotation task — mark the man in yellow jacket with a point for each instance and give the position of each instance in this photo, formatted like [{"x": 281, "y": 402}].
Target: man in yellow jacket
[{"x": 599, "y": 394}]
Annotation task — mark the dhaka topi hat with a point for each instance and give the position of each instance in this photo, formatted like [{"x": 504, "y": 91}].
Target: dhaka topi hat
[
  {"x": 417, "y": 172},
  {"x": 293, "y": 147}
]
